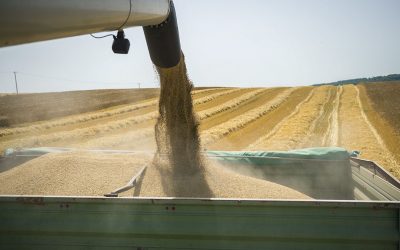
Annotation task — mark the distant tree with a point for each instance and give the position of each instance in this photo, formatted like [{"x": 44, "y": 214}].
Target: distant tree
[{"x": 391, "y": 77}]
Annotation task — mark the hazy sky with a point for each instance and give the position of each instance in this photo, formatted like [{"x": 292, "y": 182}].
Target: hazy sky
[{"x": 227, "y": 43}]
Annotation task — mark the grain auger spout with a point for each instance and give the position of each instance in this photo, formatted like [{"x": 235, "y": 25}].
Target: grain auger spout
[
  {"x": 31, "y": 21},
  {"x": 163, "y": 41}
]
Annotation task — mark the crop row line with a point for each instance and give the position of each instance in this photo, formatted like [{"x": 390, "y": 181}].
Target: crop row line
[
  {"x": 261, "y": 141},
  {"x": 126, "y": 137},
  {"x": 229, "y": 105},
  {"x": 372, "y": 128},
  {"x": 331, "y": 136},
  {"x": 214, "y": 96},
  {"x": 98, "y": 130},
  {"x": 320, "y": 124},
  {"x": 223, "y": 129},
  {"x": 102, "y": 114}
]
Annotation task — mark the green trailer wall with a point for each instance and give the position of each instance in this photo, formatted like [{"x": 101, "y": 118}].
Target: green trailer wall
[
  {"x": 139, "y": 223},
  {"x": 321, "y": 173}
]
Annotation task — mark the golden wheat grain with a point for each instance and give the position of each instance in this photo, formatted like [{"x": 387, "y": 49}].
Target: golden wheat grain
[{"x": 72, "y": 173}]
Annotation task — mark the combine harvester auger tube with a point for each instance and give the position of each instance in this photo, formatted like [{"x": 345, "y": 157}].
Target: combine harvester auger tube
[
  {"x": 29, "y": 21},
  {"x": 356, "y": 202}
]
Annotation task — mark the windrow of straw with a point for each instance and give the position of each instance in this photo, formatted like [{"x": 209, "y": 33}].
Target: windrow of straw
[
  {"x": 236, "y": 123},
  {"x": 298, "y": 124}
]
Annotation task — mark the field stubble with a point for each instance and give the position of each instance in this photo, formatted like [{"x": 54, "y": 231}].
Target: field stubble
[
  {"x": 357, "y": 133},
  {"x": 242, "y": 138},
  {"x": 291, "y": 130},
  {"x": 381, "y": 104},
  {"x": 236, "y": 119},
  {"x": 79, "y": 129}
]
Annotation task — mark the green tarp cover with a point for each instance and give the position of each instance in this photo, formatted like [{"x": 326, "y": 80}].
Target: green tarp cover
[
  {"x": 283, "y": 157},
  {"x": 248, "y": 157}
]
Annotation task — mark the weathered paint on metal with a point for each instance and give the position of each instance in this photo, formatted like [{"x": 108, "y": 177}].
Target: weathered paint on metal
[
  {"x": 154, "y": 223},
  {"x": 376, "y": 170}
]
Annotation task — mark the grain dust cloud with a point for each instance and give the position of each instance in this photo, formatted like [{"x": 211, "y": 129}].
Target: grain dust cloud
[
  {"x": 178, "y": 168},
  {"x": 178, "y": 159},
  {"x": 176, "y": 130}
]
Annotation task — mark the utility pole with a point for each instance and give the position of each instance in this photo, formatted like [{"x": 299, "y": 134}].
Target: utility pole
[{"x": 16, "y": 83}]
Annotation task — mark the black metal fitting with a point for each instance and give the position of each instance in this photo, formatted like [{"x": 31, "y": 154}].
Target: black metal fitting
[
  {"x": 163, "y": 41},
  {"x": 120, "y": 44}
]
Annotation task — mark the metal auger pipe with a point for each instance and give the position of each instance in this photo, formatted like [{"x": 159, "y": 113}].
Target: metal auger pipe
[{"x": 163, "y": 41}]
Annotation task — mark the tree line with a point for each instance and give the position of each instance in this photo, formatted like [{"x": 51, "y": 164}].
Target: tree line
[{"x": 391, "y": 77}]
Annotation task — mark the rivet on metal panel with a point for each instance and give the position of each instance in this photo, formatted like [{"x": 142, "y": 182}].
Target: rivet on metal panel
[
  {"x": 62, "y": 205},
  {"x": 170, "y": 208}
]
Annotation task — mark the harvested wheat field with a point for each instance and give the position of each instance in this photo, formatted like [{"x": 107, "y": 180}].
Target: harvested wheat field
[{"x": 356, "y": 117}]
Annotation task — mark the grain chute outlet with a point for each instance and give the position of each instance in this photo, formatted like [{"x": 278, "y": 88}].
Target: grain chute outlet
[{"x": 184, "y": 167}]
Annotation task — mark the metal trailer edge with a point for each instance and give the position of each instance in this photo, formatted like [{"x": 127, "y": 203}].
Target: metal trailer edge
[{"x": 49, "y": 222}]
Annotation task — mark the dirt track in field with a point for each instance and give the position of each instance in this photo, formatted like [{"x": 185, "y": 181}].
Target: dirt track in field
[{"x": 230, "y": 119}]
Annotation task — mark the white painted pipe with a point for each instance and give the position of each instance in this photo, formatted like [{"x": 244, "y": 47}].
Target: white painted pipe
[{"x": 24, "y": 21}]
